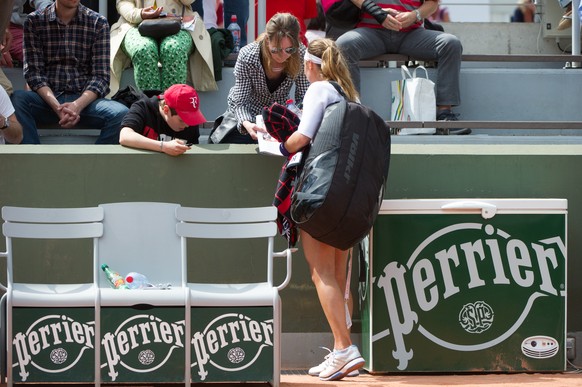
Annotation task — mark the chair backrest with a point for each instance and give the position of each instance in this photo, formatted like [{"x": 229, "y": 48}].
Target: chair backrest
[
  {"x": 229, "y": 223},
  {"x": 49, "y": 223},
  {"x": 140, "y": 237}
]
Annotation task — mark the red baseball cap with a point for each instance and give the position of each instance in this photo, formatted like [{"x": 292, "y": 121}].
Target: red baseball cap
[{"x": 185, "y": 101}]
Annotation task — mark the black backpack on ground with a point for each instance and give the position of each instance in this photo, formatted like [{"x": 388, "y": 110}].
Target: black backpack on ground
[{"x": 341, "y": 186}]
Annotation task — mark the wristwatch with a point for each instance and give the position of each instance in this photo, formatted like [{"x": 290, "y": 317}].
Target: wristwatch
[
  {"x": 6, "y": 123},
  {"x": 418, "y": 17}
]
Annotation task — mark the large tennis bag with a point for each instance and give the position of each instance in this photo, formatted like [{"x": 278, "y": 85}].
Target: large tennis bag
[{"x": 338, "y": 193}]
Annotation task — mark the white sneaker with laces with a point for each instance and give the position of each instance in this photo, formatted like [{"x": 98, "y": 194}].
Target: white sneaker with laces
[
  {"x": 340, "y": 363},
  {"x": 315, "y": 371}
]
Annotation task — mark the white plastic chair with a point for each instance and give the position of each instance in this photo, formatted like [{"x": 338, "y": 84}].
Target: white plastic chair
[
  {"x": 236, "y": 223},
  {"x": 141, "y": 237},
  {"x": 46, "y": 223}
]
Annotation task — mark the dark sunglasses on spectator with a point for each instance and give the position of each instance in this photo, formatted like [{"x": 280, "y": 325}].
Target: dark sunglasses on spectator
[{"x": 288, "y": 50}]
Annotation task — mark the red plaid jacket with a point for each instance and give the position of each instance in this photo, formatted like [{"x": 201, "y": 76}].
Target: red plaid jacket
[{"x": 281, "y": 123}]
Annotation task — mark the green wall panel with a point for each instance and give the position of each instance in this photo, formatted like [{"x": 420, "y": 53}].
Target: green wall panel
[{"x": 235, "y": 175}]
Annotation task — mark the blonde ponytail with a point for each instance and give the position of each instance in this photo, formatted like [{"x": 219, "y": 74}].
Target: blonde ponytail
[{"x": 334, "y": 66}]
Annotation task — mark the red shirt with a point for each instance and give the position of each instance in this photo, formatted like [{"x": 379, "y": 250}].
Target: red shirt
[{"x": 301, "y": 9}]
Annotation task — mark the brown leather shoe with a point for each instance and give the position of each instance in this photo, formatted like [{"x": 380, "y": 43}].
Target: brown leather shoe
[{"x": 566, "y": 21}]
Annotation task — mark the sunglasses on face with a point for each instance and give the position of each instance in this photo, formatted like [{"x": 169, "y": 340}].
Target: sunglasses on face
[{"x": 288, "y": 50}]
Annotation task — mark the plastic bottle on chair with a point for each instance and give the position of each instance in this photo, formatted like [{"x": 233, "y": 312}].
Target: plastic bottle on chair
[
  {"x": 115, "y": 279},
  {"x": 292, "y": 107},
  {"x": 234, "y": 28},
  {"x": 137, "y": 281}
]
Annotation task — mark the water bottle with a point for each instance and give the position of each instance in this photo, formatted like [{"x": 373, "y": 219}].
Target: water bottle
[
  {"x": 137, "y": 281},
  {"x": 115, "y": 279},
  {"x": 291, "y": 106},
  {"x": 234, "y": 28}
]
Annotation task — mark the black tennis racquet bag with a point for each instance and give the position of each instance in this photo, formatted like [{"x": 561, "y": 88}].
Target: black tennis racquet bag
[{"x": 341, "y": 186}]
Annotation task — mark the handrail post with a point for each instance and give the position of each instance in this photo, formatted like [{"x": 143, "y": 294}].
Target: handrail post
[
  {"x": 575, "y": 31},
  {"x": 103, "y": 7},
  {"x": 261, "y": 16}
]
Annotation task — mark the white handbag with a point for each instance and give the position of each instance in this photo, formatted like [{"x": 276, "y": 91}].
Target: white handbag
[{"x": 413, "y": 99}]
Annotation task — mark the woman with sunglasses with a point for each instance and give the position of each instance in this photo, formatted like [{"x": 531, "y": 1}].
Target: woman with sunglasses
[
  {"x": 265, "y": 72},
  {"x": 327, "y": 264}
]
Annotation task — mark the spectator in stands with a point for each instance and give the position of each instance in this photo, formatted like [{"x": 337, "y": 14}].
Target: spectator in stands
[
  {"x": 566, "y": 20},
  {"x": 265, "y": 72},
  {"x": 212, "y": 13},
  {"x": 524, "y": 13},
  {"x": 5, "y": 44},
  {"x": 393, "y": 26},
  {"x": 303, "y": 10},
  {"x": 184, "y": 56},
  {"x": 240, "y": 8},
  {"x": 10, "y": 128},
  {"x": 5, "y": 83},
  {"x": 68, "y": 86},
  {"x": 324, "y": 63},
  {"x": 16, "y": 23},
  {"x": 440, "y": 15},
  {"x": 5, "y": 7},
  {"x": 316, "y": 26},
  {"x": 166, "y": 123},
  {"x": 4, "y": 59}
]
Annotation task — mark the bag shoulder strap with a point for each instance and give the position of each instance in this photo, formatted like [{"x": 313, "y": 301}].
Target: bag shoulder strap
[{"x": 338, "y": 88}]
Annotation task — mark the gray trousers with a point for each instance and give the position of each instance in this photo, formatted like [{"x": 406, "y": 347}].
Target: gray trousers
[{"x": 421, "y": 44}]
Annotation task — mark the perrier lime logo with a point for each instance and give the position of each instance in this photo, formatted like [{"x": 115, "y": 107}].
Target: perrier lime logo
[{"x": 466, "y": 274}]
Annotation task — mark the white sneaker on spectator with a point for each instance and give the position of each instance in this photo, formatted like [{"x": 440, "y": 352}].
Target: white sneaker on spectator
[
  {"x": 340, "y": 363},
  {"x": 315, "y": 371}
]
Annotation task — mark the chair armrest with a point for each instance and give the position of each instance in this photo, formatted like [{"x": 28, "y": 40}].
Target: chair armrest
[{"x": 286, "y": 253}]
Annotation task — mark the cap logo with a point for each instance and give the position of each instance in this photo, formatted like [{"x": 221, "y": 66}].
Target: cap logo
[{"x": 194, "y": 102}]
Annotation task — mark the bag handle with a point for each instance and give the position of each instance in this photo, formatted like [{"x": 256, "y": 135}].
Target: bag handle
[
  {"x": 406, "y": 73},
  {"x": 422, "y": 68}
]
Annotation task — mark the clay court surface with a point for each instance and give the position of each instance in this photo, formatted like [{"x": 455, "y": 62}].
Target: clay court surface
[
  {"x": 300, "y": 379},
  {"x": 478, "y": 380}
]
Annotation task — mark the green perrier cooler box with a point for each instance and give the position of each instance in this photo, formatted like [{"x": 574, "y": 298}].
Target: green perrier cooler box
[
  {"x": 143, "y": 344},
  {"x": 466, "y": 285},
  {"x": 53, "y": 345},
  {"x": 231, "y": 344}
]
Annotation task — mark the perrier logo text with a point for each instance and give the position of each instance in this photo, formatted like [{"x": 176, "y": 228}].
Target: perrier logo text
[
  {"x": 470, "y": 266},
  {"x": 231, "y": 342},
  {"x": 53, "y": 344},
  {"x": 141, "y": 343}
]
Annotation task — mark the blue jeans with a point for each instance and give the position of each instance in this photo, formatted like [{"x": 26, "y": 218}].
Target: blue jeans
[
  {"x": 240, "y": 8},
  {"x": 32, "y": 111}
]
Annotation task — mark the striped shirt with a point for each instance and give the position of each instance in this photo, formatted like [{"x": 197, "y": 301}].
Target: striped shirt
[
  {"x": 250, "y": 93},
  {"x": 399, "y": 5},
  {"x": 68, "y": 58}
]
